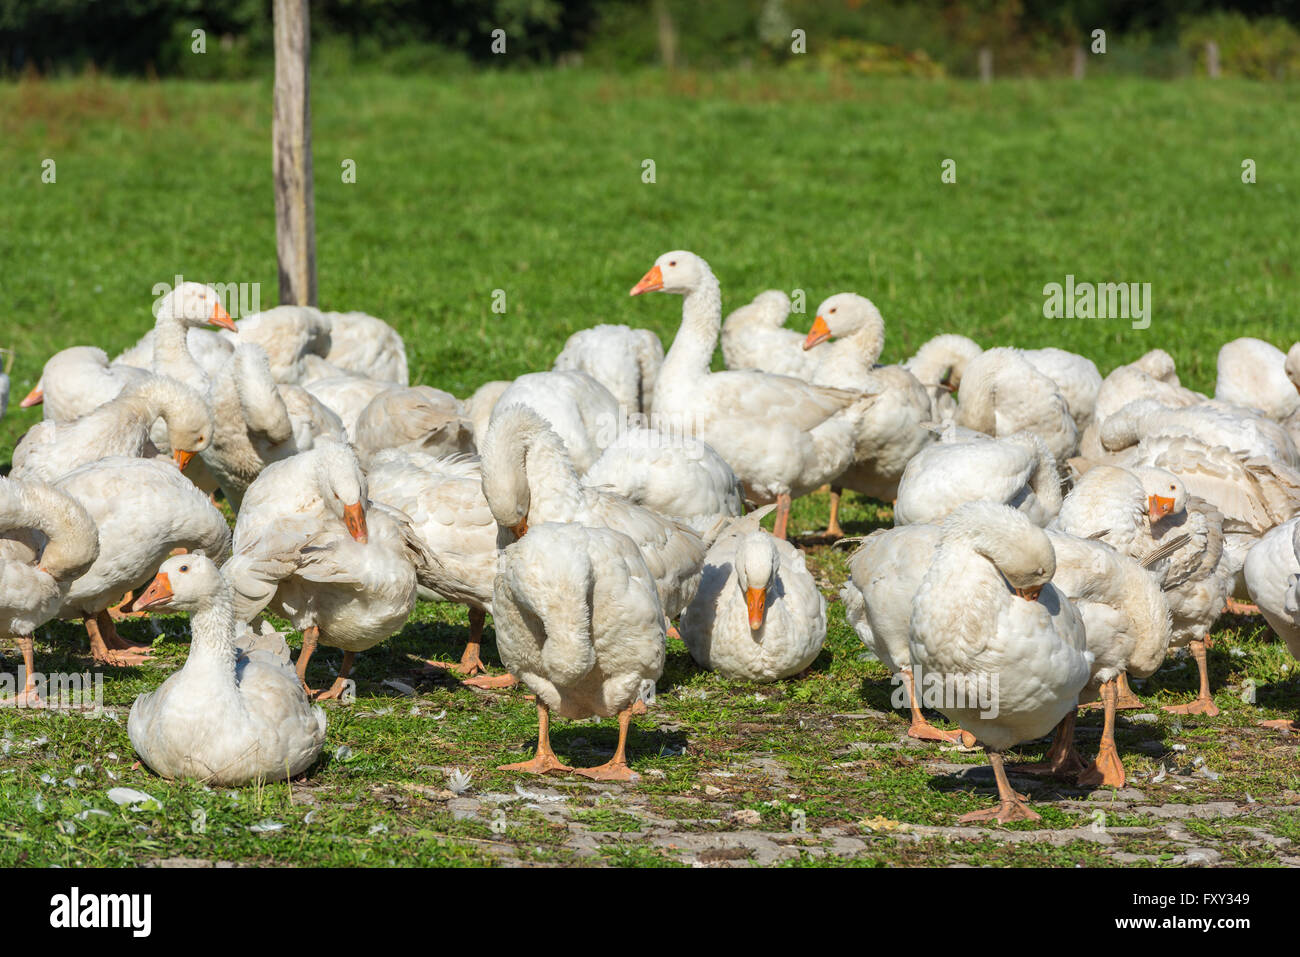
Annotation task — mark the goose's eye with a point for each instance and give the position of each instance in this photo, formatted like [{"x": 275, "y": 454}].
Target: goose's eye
[
  {"x": 673, "y": 263},
  {"x": 185, "y": 568},
  {"x": 833, "y": 310}
]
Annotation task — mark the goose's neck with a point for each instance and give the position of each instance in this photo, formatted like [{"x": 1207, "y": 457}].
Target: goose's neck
[
  {"x": 697, "y": 337},
  {"x": 1046, "y": 481},
  {"x": 212, "y": 650},
  {"x": 171, "y": 351},
  {"x": 554, "y": 489}
]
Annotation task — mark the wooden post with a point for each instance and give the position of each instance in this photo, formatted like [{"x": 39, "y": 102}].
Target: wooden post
[
  {"x": 1212, "y": 58},
  {"x": 1080, "y": 63},
  {"x": 667, "y": 34},
  {"x": 986, "y": 65},
  {"x": 295, "y": 213}
]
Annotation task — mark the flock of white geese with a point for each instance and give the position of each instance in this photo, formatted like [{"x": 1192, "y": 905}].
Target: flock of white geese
[{"x": 1055, "y": 531}]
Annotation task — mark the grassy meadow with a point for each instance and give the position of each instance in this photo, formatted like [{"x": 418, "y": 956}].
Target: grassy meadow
[{"x": 532, "y": 184}]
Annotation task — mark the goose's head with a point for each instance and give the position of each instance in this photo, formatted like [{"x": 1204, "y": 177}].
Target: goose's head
[
  {"x": 188, "y": 418},
  {"x": 342, "y": 485},
  {"x": 677, "y": 272},
  {"x": 1165, "y": 492},
  {"x": 756, "y": 566},
  {"x": 194, "y": 304},
  {"x": 842, "y": 315},
  {"x": 512, "y": 433},
  {"x": 185, "y": 583},
  {"x": 1159, "y": 365},
  {"x": 1018, "y": 548}
]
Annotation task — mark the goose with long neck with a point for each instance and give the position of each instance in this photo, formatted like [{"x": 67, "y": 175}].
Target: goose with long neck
[
  {"x": 227, "y": 717},
  {"x": 529, "y": 479},
  {"x": 782, "y": 436},
  {"x": 144, "y": 510},
  {"x": 311, "y": 545},
  {"x": 191, "y": 305},
  {"x": 1017, "y": 471},
  {"x": 47, "y": 540},
  {"x": 989, "y": 619},
  {"x": 848, "y": 334},
  {"x": 79, "y": 380},
  {"x": 119, "y": 427}
]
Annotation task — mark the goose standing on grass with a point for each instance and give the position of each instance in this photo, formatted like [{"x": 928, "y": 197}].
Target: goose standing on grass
[
  {"x": 118, "y": 428},
  {"x": 581, "y": 411},
  {"x": 1252, "y": 373},
  {"x": 47, "y": 540},
  {"x": 622, "y": 359},
  {"x": 1273, "y": 576},
  {"x": 1018, "y": 471},
  {"x": 1127, "y": 628},
  {"x": 987, "y": 610},
  {"x": 938, "y": 365},
  {"x": 675, "y": 475},
  {"x": 144, "y": 510},
  {"x": 893, "y": 430},
  {"x": 443, "y": 497},
  {"x": 418, "y": 418},
  {"x": 784, "y": 437},
  {"x": 529, "y": 479},
  {"x": 1002, "y": 393},
  {"x": 885, "y": 574},
  {"x": 77, "y": 381},
  {"x": 754, "y": 337},
  {"x": 758, "y": 615},
  {"x": 310, "y": 545},
  {"x": 226, "y": 718},
  {"x": 1147, "y": 515},
  {"x": 578, "y": 619}
]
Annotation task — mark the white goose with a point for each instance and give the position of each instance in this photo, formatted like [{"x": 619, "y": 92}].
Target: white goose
[
  {"x": 479, "y": 406},
  {"x": 119, "y": 427},
  {"x": 226, "y": 718},
  {"x": 676, "y": 475},
  {"x": 885, "y": 574},
  {"x": 144, "y": 509},
  {"x": 178, "y": 345},
  {"x": 938, "y": 365},
  {"x": 1002, "y": 393},
  {"x": 754, "y": 337},
  {"x": 310, "y": 545},
  {"x": 1150, "y": 377},
  {"x": 1273, "y": 575},
  {"x": 783, "y": 436},
  {"x": 1018, "y": 471},
  {"x": 77, "y": 381},
  {"x": 622, "y": 359},
  {"x": 987, "y": 609},
  {"x": 443, "y": 497},
  {"x": 1076, "y": 378},
  {"x": 366, "y": 345},
  {"x": 893, "y": 430},
  {"x": 347, "y": 396},
  {"x": 292, "y": 336},
  {"x": 1252, "y": 372},
  {"x": 758, "y": 615},
  {"x": 583, "y": 413},
  {"x": 418, "y": 418},
  {"x": 529, "y": 479},
  {"x": 47, "y": 540},
  {"x": 578, "y": 619}
]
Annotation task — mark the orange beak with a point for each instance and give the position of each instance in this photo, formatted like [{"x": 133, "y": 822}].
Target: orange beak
[
  {"x": 1029, "y": 594},
  {"x": 521, "y": 529},
  {"x": 35, "y": 397},
  {"x": 946, "y": 382},
  {"x": 182, "y": 458},
  {"x": 652, "y": 281},
  {"x": 755, "y": 599},
  {"x": 222, "y": 318},
  {"x": 354, "y": 517},
  {"x": 158, "y": 593},
  {"x": 819, "y": 333},
  {"x": 1158, "y": 507}
]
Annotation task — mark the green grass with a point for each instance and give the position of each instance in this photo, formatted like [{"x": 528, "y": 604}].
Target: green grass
[{"x": 532, "y": 184}]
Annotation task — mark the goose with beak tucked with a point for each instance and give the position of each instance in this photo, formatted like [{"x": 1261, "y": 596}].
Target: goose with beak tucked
[
  {"x": 782, "y": 436},
  {"x": 758, "y": 615},
  {"x": 310, "y": 545},
  {"x": 118, "y": 428},
  {"x": 229, "y": 716},
  {"x": 989, "y": 622}
]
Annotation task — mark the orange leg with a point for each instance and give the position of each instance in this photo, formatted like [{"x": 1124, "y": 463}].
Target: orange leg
[
  {"x": 923, "y": 729},
  {"x": 1281, "y": 724},
  {"x": 103, "y": 638},
  {"x": 544, "y": 761},
  {"x": 833, "y": 529},
  {"x": 310, "y": 636},
  {"x": 1107, "y": 770},
  {"x": 782, "y": 516},
  {"x": 1204, "y": 704},
  {"x": 336, "y": 689},
  {"x": 1128, "y": 699},
  {"x": 1061, "y": 760},
  {"x": 27, "y": 698},
  {"x": 1234, "y": 607},
  {"x": 470, "y": 662},
  {"x": 615, "y": 769},
  {"x": 1010, "y": 807}
]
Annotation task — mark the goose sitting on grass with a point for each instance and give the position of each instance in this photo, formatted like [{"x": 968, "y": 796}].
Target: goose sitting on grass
[
  {"x": 1253, "y": 373},
  {"x": 578, "y": 620},
  {"x": 758, "y": 615},
  {"x": 47, "y": 541},
  {"x": 784, "y": 437},
  {"x": 622, "y": 359},
  {"x": 226, "y": 718},
  {"x": 987, "y": 611}
]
